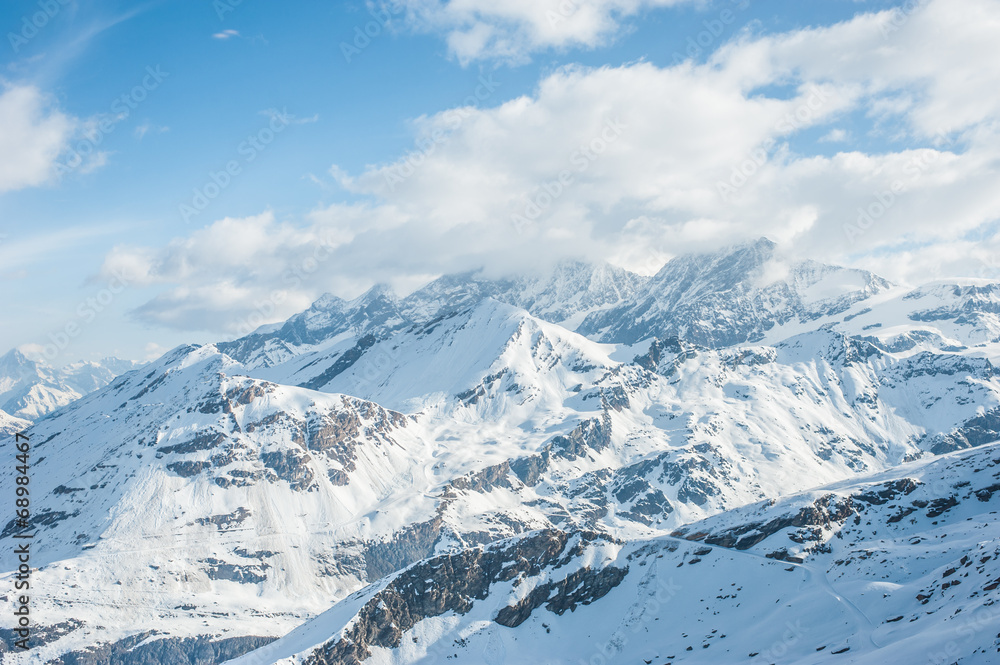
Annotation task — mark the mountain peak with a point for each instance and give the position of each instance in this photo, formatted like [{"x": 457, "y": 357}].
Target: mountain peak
[
  {"x": 16, "y": 366},
  {"x": 377, "y": 292},
  {"x": 327, "y": 301},
  {"x": 732, "y": 297},
  {"x": 734, "y": 261}
]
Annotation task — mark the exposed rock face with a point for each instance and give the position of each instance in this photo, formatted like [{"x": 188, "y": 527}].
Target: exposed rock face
[
  {"x": 40, "y": 634},
  {"x": 342, "y": 364},
  {"x": 530, "y": 469},
  {"x": 590, "y": 435},
  {"x": 975, "y": 432},
  {"x": 336, "y": 435},
  {"x": 409, "y": 544},
  {"x": 824, "y": 511},
  {"x": 292, "y": 466},
  {"x": 250, "y": 574},
  {"x": 168, "y": 651},
  {"x": 640, "y": 502},
  {"x": 483, "y": 481},
  {"x": 578, "y": 588},
  {"x": 206, "y": 440},
  {"x": 454, "y": 582},
  {"x": 697, "y": 473},
  {"x": 236, "y": 457},
  {"x": 829, "y": 512},
  {"x": 223, "y": 521}
]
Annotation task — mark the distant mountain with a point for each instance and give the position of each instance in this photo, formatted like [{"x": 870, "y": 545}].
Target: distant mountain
[
  {"x": 736, "y": 296},
  {"x": 732, "y": 297},
  {"x": 10, "y": 425},
  {"x": 326, "y": 319},
  {"x": 30, "y": 389},
  {"x": 567, "y": 293}
]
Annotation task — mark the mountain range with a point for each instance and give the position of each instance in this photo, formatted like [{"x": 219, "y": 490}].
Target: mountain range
[
  {"x": 585, "y": 463},
  {"x": 31, "y": 389}
]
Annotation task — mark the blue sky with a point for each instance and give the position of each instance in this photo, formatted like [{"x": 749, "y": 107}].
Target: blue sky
[{"x": 313, "y": 137}]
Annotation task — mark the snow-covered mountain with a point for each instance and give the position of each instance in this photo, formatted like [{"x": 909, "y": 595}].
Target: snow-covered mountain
[
  {"x": 241, "y": 489},
  {"x": 31, "y": 389},
  {"x": 901, "y": 567},
  {"x": 733, "y": 297},
  {"x": 9, "y": 424},
  {"x": 565, "y": 294}
]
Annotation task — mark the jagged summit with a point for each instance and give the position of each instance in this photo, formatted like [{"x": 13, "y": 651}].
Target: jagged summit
[
  {"x": 13, "y": 360},
  {"x": 734, "y": 296},
  {"x": 568, "y": 292}
]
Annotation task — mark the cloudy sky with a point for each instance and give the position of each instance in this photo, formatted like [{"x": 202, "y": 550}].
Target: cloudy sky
[{"x": 170, "y": 171}]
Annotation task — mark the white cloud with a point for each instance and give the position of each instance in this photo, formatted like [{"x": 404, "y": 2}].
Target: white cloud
[
  {"x": 219, "y": 275},
  {"x": 141, "y": 130},
  {"x": 35, "y": 352},
  {"x": 512, "y": 30},
  {"x": 287, "y": 118},
  {"x": 625, "y": 163},
  {"x": 835, "y": 136},
  {"x": 33, "y": 134},
  {"x": 226, "y": 34},
  {"x": 153, "y": 351}
]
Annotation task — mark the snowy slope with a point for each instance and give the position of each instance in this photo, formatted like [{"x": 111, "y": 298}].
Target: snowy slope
[
  {"x": 238, "y": 490},
  {"x": 688, "y": 430},
  {"x": 900, "y": 567},
  {"x": 943, "y": 316},
  {"x": 207, "y": 495},
  {"x": 291, "y": 497}
]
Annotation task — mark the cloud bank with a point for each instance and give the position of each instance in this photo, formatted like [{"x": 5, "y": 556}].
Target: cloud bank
[{"x": 637, "y": 163}]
